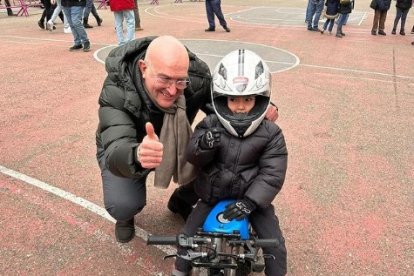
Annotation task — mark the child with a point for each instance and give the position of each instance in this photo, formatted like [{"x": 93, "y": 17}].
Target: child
[
  {"x": 331, "y": 12},
  {"x": 240, "y": 155},
  {"x": 345, "y": 8}
]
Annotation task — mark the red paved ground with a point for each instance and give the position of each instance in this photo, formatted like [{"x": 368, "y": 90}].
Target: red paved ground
[{"x": 346, "y": 110}]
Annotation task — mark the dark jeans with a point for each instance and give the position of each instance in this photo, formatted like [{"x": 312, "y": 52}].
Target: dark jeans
[
  {"x": 379, "y": 20},
  {"x": 401, "y": 13},
  {"x": 263, "y": 221},
  {"x": 136, "y": 13},
  {"x": 48, "y": 11},
  {"x": 90, "y": 8},
  {"x": 313, "y": 13},
  {"x": 213, "y": 7},
  {"x": 9, "y": 10},
  {"x": 123, "y": 197},
  {"x": 126, "y": 197},
  {"x": 329, "y": 23},
  {"x": 341, "y": 20}
]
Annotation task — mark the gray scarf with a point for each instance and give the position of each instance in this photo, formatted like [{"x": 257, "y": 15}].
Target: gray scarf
[{"x": 175, "y": 135}]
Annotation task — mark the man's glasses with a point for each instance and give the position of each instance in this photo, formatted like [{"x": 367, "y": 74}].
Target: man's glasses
[{"x": 166, "y": 82}]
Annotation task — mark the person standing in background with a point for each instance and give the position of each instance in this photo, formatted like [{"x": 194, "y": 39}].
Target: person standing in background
[
  {"x": 313, "y": 14},
  {"x": 90, "y": 7},
  {"x": 213, "y": 7},
  {"x": 345, "y": 8},
  {"x": 137, "y": 19},
  {"x": 381, "y": 8},
  {"x": 403, "y": 7},
  {"x": 73, "y": 10},
  {"x": 331, "y": 12},
  {"x": 124, "y": 9}
]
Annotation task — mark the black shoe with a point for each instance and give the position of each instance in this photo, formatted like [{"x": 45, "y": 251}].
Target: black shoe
[
  {"x": 178, "y": 206},
  {"x": 210, "y": 30},
  {"x": 87, "y": 26},
  {"x": 381, "y": 32},
  {"x": 41, "y": 24},
  {"x": 99, "y": 21},
  {"x": 374, "y": 32},
  {"x": 86, "y": 46},
  {"x": 343, "y": 34},
  {"x": 412, "y": 43},
  {"x": 124, "y": 230},
  {"x": 402, "y": 32},
  {"x": 227, "y": 29},
  {"x": 393, "y": 31},
  {"x": 339, "y": 35},
  {"x": 315, "y": 29},
  {"x": 75, "y": 47}
]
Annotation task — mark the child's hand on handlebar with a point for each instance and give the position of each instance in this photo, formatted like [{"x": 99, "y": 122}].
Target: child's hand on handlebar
[{"x": 239, "y": 209}]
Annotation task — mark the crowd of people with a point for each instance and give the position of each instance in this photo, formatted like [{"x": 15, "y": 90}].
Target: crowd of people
[{"x": 337, "y": 12}]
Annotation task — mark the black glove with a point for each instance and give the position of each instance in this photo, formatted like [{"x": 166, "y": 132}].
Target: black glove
[
  {"x": 211, "y": 138},
  {"x": 239, "y": 209}
]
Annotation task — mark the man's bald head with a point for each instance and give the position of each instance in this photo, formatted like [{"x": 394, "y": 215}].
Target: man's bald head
[{"x": 167, "y": 51}]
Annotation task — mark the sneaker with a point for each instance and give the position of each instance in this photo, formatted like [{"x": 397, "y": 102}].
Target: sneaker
[
  {"x": 75, "y": 47},
  {"x": 67, "y": 30},
  {"x": 41, "y": 24},
  {"x": 322, "y": 31},
  {"x": 86, "y": 46},
  {"x": 374, "y": 32},
  {"x": 227, "y": 29},
  {"x": 381, "y": 32},
  {"x": 50, "y": 26},
  {"x": 124, "y": 230},
  {"x": 210, "y": 30}
]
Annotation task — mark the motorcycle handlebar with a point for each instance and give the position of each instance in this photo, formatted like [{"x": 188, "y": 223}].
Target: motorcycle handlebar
[
  {"x": 164, "y": 240},
  {"x": 266, "y": 243},
  {"x": 181, "y": 240}
]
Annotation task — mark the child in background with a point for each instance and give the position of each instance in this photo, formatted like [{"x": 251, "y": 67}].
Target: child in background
[
  {"x": 331, "y": 13},
  {"x": 240, "y": 155}
]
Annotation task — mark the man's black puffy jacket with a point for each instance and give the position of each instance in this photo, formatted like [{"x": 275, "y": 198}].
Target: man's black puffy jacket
[
  {"x": 125, "y": 107},
  {"x": 252, "y": 167}
]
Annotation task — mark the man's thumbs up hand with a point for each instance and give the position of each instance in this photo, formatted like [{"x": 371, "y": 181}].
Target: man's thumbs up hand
[{"x": 150, "y": 151}]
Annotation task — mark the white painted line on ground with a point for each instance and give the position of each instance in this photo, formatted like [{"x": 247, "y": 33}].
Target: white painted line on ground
[{"x": 141, "y": 233}]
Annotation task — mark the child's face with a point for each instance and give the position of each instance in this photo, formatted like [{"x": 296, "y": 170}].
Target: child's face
[{"x": 240, "y": 104}]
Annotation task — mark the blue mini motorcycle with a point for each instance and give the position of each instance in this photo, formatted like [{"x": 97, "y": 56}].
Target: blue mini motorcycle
[{"x": 221, "y": 247}]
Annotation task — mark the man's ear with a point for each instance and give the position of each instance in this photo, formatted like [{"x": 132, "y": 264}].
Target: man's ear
[{"x": 142, "y": 67}]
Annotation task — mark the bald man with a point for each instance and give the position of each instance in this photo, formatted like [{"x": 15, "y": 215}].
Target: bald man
[
  {"x": 148, "y": 78},
  {"x": 153, "y": 91}
]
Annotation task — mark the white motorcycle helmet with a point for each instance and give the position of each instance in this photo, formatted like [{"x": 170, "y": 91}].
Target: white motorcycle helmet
[{"x": 241, "y": 73}]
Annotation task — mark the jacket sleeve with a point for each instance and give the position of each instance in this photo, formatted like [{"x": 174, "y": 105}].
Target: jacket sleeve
[
  {"x": 272, "y": 170},
  {"x": 196, "y": 155},
  {"x": 118, "y": 134}
]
